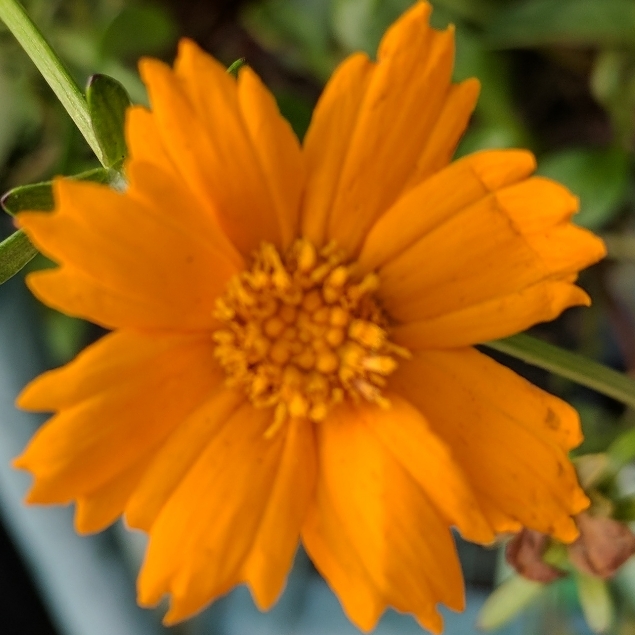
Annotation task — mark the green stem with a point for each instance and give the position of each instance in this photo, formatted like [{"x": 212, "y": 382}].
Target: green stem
[
  {"x": 569, "y": 365},
  {"x": 51, "y": 67}
]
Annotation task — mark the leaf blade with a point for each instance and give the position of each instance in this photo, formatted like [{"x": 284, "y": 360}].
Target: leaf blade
[
  {"x": 567, "y": 22},
  {"x": 569, "y": 365},
  {"x": 16, "y": 251}
]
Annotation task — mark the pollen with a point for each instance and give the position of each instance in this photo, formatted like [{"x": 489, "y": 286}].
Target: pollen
[{"x": 300, "y": 334}]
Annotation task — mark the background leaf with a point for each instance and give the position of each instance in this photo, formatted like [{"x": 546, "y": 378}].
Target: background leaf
[
  {"x": 596, "y": 602},
  {"x": 138, "y": 29},
  {"x": 511, "y": 597},
  {"x": 599, "y": 177},
  {"x": 564, "y": 22}
]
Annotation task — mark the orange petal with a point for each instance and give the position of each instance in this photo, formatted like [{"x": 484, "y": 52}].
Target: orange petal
[
  {"x": 206, "y": 136},
  {"x": 180, "y": 451},
  {"x": 69, "y": 291},
  {"x": 448, "y": 130},
  {"x": 207, "y": 537},
  {"x": 96, "y": 510},
  {"x": 162, "y": 191},
  {"x": 141, "y": 254},
  {"x": 144, "y": 141},
  {"x": 485, "y": 251},
  {"x": 405, "y": 433},
  {"x": 509, "y": 437},
  {"x": 277, "y": 149},
  {"x": 438, "y": 199},
  {"x": 403, "y": 101},
  {"x": 115, "y": 409},
  {"x": 270, "y": 558},
  {"x": 338, "y": 560},
  {"x": 328, "y": 139},
  {"x": 492, "y": 319},
  {"x": 391, "y": 125},
  {"x": 221, "y": 170},
  {"x": 365, "y": 533}
]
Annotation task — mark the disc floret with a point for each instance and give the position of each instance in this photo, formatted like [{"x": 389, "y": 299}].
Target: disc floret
[{"x": 299, "y": 334}]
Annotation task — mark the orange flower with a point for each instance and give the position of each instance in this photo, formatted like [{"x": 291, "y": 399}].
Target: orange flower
[{"x": 291, "y": 355}]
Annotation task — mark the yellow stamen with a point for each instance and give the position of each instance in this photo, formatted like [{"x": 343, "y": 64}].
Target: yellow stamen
[{"x": 301, "y": 333}]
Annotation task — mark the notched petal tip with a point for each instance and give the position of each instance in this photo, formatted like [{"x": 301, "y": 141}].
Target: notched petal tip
[
  {"x": 178, "y": 611},
  {"x": 264, "y": 599},
  {"x": 410, "y": 25},
  {"x": 149, "y": 591},
  {"x": 566, "y": 530},
  {"x": 35, "y": 395},
  {"x": 37, "y": 226},
  {"x": 19, "y": 463},
  {"x": 187, "y": 46},
  {"x": 471, "y": 88},
  {"x": 433, "y": 622},
  {"x": 497, "y": 168},
  {"x": 191, "y": 58},
  {"x": 154, "y": 74}
]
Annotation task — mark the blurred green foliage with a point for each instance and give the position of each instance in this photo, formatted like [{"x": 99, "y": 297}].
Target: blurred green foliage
[{"x": 534, "y": 23}]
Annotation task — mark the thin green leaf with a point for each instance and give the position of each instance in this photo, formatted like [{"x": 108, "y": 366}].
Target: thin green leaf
[
  {"x": 15, "y": 252},
  {"x": 107, "y": 103},
  {"x": 569, "y": 365},
  {"x": 51, "y": 67}
]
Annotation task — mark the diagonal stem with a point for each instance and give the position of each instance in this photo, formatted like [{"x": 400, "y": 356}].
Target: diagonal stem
[{"x": 53, "y": 70}]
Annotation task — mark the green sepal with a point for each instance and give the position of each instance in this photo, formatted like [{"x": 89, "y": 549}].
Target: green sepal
[
  {"x": 107, "y": 103},
  {"x": 39, "y": 196},
  {"x": 596, "y": 602},
  {"x": 234, "y": 67},
  {"x": 15, "y": 252},
  {"x": 507, "y": 601}
]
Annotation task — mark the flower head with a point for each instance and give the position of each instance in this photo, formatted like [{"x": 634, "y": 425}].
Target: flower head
[{"x": 292, "y": 328}]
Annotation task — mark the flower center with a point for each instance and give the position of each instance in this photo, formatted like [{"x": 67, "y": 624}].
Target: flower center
[{"x": 299, "y": 335}]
